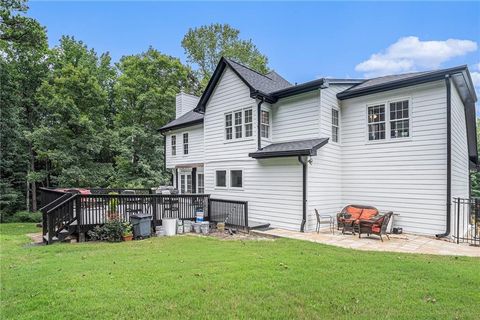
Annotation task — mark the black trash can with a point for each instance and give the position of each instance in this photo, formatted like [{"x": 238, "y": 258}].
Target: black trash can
[{"x": 141, "y": 224}]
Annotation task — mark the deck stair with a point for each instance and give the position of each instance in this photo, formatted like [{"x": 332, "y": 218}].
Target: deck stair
[{"x": 59, "y": 218}]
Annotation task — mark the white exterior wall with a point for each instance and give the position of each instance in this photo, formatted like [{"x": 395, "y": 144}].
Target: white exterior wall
[
  {"x": 407, "y": 177},
  {"x": 325, "y": 172},
  {"x": 272, "y": 187},
  {"x": 184, "y": 102},
  {"x": 195, "y": 146}
]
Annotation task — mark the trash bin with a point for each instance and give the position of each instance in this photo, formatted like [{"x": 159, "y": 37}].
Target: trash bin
[{"x": 141, "y": 225}]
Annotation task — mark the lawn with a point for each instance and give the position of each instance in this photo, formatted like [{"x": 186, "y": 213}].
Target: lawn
[{"x": 193, "y": 277}]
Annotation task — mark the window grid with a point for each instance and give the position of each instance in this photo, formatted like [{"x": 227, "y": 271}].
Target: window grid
[
  {"x": 376, "y": 122},
  {"x": 185, "y": 143},
  {"x": 335, "y": 125},
  {"x": 200, "y": 183},
  {"x": 265, "y": 124},
  {"x": 228, "y": 127},
  {"x": 399, "y": 120},
  {"x": 248, "y": 119},
  {"x": 173, "y": 144},
  {"x": 238, "y": 125}
]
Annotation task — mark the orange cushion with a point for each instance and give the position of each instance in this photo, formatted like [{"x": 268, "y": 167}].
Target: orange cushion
[
  {"x": 368, "y": 214},
  {"x": 355, "y": 212}
]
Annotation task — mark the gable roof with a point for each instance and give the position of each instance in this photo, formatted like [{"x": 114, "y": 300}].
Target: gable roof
[
  {"x": 291, "y": 148},
  {"x": 188, "y": 119}
]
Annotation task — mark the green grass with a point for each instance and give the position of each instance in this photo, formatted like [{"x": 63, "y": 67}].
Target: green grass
[{"x": 192, "y": 277}]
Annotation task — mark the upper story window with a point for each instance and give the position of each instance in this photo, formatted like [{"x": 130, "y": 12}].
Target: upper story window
[
  {"x": 399, "y": 120},
  {"x": 265, "y": 124},
  {"x": 335, "y": 125},
  {"x": 173, "y": 144},
  {"x": 239, "y": 124},
  {"x": 228, "y": 127},
  {"x": 248, "y": 119},
  {"x": 185, "y": 143},
  {"x": 376, "y": 122}
]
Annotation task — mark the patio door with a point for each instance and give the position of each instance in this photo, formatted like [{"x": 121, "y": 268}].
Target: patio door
[
  {"x": 185, "y": 183},
  {"x": 200, "y": 183}
]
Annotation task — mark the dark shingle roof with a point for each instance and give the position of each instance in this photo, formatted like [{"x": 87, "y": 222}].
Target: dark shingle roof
[
  {"x": 267, "y": 83},
  {"x": 189, "y": 118},
  {"x": 385, "y": 79},
  {"x": 291, "y": 148}
]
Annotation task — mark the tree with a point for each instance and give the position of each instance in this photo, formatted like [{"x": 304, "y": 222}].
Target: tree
[
  {"x": 205, "y": 45},
  {"x": 475, "y": 175},
  {"x": 145, "y": 101},
  {"x": 74, "y": 135},
  {"x": 23, "y": 46}
]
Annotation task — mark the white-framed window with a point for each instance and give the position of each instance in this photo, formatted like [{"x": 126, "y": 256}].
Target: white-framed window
[
  {"x": 376, "y": 122},
  {"x": 221, "y": 178},
  {"x": 265, "y": 124},
  {"x": 399, "y": 119},
  {"x": 200, "y": 183},
  {"x": 173, "y": 144},
  {"x": 236, "y": 179},
  {"x": 185, "y": 183},
  {"x": 228, "y": 127},
  {"x": 248, "y": 120},
  {"x": 335, "y": 125},
  {"x": 238, "y": 124},
  {"x": 389, "y": 120},
  {"x": 185, "y": 143}
]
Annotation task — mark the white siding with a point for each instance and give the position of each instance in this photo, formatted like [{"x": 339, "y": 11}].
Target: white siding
[
  {"x": 324, "y": 176},
  {"x": 195, "y": 146},
  {"x": 273, "y": 188},
  {"x": 184, "y": 102},
  {"x": 296, "y": 118},
  {"x": 408, "y": 177}
]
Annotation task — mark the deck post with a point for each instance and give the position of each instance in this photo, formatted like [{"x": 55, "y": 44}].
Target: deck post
[{"x": 154, "y": 211}]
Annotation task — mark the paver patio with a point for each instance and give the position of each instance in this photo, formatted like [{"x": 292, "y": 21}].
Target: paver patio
[{"x": 408, "y": 243}]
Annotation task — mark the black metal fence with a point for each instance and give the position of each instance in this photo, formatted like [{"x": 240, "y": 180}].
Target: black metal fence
[
  {"x": 466, "y": 221},
  {"x": 232, "y": 212}
]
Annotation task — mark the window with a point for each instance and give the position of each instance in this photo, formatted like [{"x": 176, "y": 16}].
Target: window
[
  {"x": 185, "y": 143},
  {"x": 221, "y": 178},
  {"x": 376, "y": 122},
  {"x": 236, "y": 179},
  {"x": 248, "y": 122},
  {"x": 335, "y": 126},
  {"x": 265, "y": 124},
  {"x": 200, "y": 183},
  {"x": 399, "y": 120},
  {"x": 185, "y": 183},
  {"x": 238, "y": 125},
  {"x": 173, "y": 143},
  {"x": 228, "y": 127}
]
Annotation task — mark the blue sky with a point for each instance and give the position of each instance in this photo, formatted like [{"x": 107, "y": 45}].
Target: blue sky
[{"x": 303, "y": 41}]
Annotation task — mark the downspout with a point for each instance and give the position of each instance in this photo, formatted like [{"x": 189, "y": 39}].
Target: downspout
[
  {"x": 304, "y": 193},
  {"x": 449, "y": 157},
  {"x": 259, "y": 114}
]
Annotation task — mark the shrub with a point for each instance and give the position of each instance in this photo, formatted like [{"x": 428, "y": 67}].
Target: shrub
[
  {"x": 111, "y": 231},
  {"x": 23, "y": 216}
]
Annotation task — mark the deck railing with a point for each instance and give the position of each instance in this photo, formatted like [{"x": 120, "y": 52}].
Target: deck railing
[
  {"x": 85, "y": 211},
  {"x": 466, "y": 221}
]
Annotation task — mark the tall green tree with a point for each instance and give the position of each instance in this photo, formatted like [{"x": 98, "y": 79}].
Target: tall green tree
[
  {"x": 23, "y": 47},
  {"x": 74, "y": 135},
  {"x": 205, "y": 45},
  {"x": 144, "y": 101}
]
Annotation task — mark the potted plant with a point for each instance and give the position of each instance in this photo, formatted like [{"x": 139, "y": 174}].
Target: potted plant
[{"x": 127, "y": 232}]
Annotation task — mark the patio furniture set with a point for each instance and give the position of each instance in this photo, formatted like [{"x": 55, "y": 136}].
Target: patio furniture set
[{"x": 358, "y": 219}]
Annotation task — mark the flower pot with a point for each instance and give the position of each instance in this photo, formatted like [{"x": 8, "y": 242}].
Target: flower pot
[{"x": 128, "y": 237}]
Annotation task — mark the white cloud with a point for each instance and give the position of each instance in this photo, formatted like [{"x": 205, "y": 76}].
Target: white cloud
[{"x": 412, "y": 54}]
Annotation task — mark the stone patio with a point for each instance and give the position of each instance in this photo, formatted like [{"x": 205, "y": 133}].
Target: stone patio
[{"x": 407, "y": 243}]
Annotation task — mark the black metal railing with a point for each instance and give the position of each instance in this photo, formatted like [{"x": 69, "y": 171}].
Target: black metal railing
[
  {"x": 466, "y": 221},
  {"x": 61, "y": 209},
  {"x": 232, "y": 212}
]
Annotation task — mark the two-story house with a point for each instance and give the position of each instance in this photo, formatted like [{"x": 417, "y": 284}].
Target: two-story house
[{"x": 402, "y": 143}]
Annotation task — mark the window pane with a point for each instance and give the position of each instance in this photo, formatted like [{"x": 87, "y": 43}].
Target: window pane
[
  {"x": 236, "y": 178},
  {"x": 248, "y": 130},
  {"x": 221, "y": 178},
  {"x": 238, "y": 118},
  {"x": 185, "y": 143},
  {"x": 238, "y": 132},
  {"x": 174, "y": 145},
  {"x": 228, "y": 120},
  {"x": 376, "y": 113},
  {"x": 335, "y": 134},
  {"x": 189, "y": 183},
  {"x": 228, "y": 133},
  {"x": 376, "y": 131},
  {"x": 264, "y": 131},
  {"x": 335, "y": 117},
  {"x": 399, "y": 129},
  {"x": 248, "y": 116},
  {"x": 200, "y": 183},
  {"x": 265, "y": 117}
]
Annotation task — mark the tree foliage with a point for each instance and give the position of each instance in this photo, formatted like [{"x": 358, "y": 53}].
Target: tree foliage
[{"x": 205, "y": 45}]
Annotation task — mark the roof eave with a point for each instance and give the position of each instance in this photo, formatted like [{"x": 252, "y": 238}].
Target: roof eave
[{"x": 180, "y": 126}]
